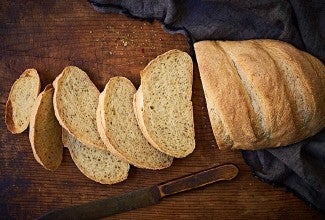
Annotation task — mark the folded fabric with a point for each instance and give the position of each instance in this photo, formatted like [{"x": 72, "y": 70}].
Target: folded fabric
[{"x": 299, "y": 167}]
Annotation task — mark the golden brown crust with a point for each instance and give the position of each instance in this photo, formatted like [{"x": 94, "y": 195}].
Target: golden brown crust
[
  {"x": 265, "y": 82},
  {"x": 318, "y": 66},
  {"x": 292, "y": 71},
  {"x": 261, "y": 92},
  {"x": 309, "y": 73},
  {"x": 216, "y": 78},
  {"x": 319, "y": 69}
]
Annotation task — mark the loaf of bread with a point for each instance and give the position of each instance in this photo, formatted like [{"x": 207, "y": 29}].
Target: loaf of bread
[
  {"x": 75, "y": 102},
  {"x": 261, "y": 93},
  {"x": 96, "y": 164},
  {"x": 163, "y": 105},
  {"x": 45, "y": 131},
  {"x": 21, "y": 98},
  {"x": 119, "y": 130}
]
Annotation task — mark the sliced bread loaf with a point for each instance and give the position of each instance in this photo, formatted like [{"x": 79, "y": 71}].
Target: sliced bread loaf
[
  {"x": 163, "y": 104},
  {"x": 21, "y": 98},
  {"x": 119, "y": 130},
  {"x": 261, "y": 93},
  {"x": 98, "y": 165},
  {"x": 45, "y": 131},
  {"x": 75, "y": 103}
]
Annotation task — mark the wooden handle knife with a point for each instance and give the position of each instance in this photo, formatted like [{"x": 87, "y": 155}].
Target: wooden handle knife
[{"x": 145, "y": 196}]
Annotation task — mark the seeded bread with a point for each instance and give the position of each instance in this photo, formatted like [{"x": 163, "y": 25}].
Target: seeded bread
[
  {"x": 98, "y": 165},
  {"x": 21, "y": 98},
  {"x": 119, "y": 130},
  {"x": 261, "y": 93},
  {"x": 75, "y": 103},
  {"x": 45, "y": 131},
  {"x": 163, "y": 104}
]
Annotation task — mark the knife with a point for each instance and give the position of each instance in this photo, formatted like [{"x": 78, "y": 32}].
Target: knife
[{"x": 144, "y": 196}]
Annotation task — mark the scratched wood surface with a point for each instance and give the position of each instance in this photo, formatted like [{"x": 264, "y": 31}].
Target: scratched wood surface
[{"x": 49, "y": 35}]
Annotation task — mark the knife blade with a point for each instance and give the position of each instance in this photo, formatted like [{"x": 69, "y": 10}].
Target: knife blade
[{"x": 144, "y": 196}]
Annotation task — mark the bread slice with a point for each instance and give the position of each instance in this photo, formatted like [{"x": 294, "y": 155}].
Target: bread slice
[
  {"x": 75, "y": 103},
  {"x": 119, "y": 130},
  {"x": 45, "y": 131},
  {"x": 98, "y": 165},
  {"x": 163, "y": 103},
  {"x": 21, "y": 98}
]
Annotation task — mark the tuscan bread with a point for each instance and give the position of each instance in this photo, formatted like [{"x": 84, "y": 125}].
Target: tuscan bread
[
  {"x": 261, "y": 93},
  {"x": 96, "y": 164},
  {"x": 75, "y": 103},
  {"x": 45, "y": 131},
  {"x": 119, "y": 130},
  {"x": 163, "y": 105},
  {"x": 21, "y": 98}
]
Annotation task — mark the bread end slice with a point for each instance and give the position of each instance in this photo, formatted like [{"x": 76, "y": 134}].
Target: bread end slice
[
  {"x": 21, "y": 98},
  {"x": 45, "y": 131},
  {"x": 96, "y": 164}
]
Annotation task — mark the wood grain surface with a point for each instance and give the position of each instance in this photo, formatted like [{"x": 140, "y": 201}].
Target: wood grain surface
[{"x": 49, "y": 35}]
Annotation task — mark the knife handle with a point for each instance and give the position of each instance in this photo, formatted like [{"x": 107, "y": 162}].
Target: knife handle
[{"x": 196, "y": 180}]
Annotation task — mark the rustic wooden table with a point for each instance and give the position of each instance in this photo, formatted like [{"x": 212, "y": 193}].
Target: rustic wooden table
[{"x": 49, "y": 35}]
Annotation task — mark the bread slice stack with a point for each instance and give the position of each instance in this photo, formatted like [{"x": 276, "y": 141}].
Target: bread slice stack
[
  {"x": 75, "y": 103},
  {"x": 106, "y": 132},
  {"x": 119, "y": 130}
]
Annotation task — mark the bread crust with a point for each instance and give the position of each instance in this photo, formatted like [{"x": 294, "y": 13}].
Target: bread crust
[
  {"x": 274, "y": 119},
  {"x": 216, "y": 78},
  {"x": 310, "y": 71}
]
